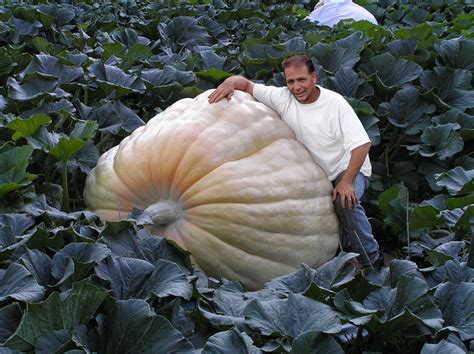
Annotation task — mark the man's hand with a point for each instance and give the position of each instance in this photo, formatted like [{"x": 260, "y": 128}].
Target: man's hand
[
  {"x": 228, "y": 87},
  {"x": 347, "y": 193}
]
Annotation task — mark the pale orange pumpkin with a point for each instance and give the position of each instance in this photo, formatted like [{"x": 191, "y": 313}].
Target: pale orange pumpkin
[{"x": 227, "y": 181}]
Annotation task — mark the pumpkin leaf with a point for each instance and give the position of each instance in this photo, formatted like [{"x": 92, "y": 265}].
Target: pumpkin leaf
[
  {"x": 134, "y": 278},
  {"x": 228, "y": 305},
  {"x": 405, "y": 305},
  {"x": 10, "y": 317},
  {"x": 347, "y": 83},
  {"x": 56, "y": 313},
  {"x": 65, "y": 148},
  {"x": 407, "y": 109},
  {"x": 155, "y": 332},
  {"x": 392, "y": 72},
  {"x": 50, "y": 68},
  {"x": 231, "y": 341},
  {"x": 26, "y": 127},
  {"x": 442, "y": 141},
  {"x": 111, "y": 78},
  {"x": 455, "y": 53},
  {"x": 459, "y": 319},
  {"x": 291, "y": 317},
  {"x": 183, "y": 32},
  {"x": 457, "y": 181},
  {"x": 39, "y": 265},
  {"x": 35, "y": 89},
  {"x": 442, "y": 347},
  {"x": 313, "y": 342},
  {"x": 332, "y": 58},
  {"x": 449, "y": 87},
  {"x": 77, "y": 255},
  {"x": 17, "y": 283},
  {"x": 13, "y": 165}
]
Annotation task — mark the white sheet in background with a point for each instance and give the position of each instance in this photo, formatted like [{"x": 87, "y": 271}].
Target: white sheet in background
[{"x": 330, "y": 12}]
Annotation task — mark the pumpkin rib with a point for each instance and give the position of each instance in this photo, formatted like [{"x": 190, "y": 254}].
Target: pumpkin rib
[
  {"x": 102, "y": 172},
  {"x": 276, "y": 251},
  {"x": 213, "y": 184},
  {"x": 269, "y": 120},
  {"x": 265, "y": 227},
  {"x": 218, "y": 166},
  {"x": 247, "y": 201},
  {"x": 232, "y": 270}
]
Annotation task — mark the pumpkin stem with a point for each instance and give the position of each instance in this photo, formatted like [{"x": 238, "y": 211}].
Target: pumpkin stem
[{"x": 164, "y": 213}]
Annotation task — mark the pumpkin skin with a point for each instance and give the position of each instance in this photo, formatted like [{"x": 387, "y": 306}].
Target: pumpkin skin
[{"x": 229, "y": 182}]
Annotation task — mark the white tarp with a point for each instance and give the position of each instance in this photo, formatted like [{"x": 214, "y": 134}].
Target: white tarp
[{"x": 330, "y": 12}]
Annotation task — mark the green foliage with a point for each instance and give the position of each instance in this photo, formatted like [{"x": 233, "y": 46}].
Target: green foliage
[{"x": 76, "y": 78}]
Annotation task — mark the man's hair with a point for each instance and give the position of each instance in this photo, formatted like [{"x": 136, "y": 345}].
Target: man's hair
[{"x": 298, "y": 60}]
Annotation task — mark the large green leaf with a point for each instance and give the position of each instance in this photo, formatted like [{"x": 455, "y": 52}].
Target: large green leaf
[
  {"x": 406, "y": 305},
  {"x": 83, "y": 253},
  {"x": 448, "y": 87},
  {"x": 111, "y": 78},
  {"x": 442, "y": 141},
  {"x": 60, "y": 14},
  {"x": 228, "y": 306},
  {"x": 230, "y": 342},
  {"x": 314, "y": 342},
  {"x": 455, "y": 53},
  {"x": 407, "y": 109},
  {"x": 133, "y": 327},
  {"x": 10, "y": 317},
  {"x": 13, "y": 165},
  {"x": 455, "y": 302},
  {"x": 443, "y": 347},
  {"x": 26, "y": 127},
  {"x": 134, "y": 278},
  {"x": 124, "y": 242},
  {"x": 392, "y": 72},
  {"x": 23, "y": 29},
  {"x": 183, "y": 32},
  {"x": 57, "y": 313},
  {"x": 39, "y": 265},
  {"x": 333, "y": 58},
  {"x": 50, "y": 67},
  {"x": 66, "y": 147},
  {"x": 457, "y": 181},
  {"x": 291, "y": 317},
  {"x": 349, "y": 84},
  {"x": 35, "y": 89},
  {"x": 17, "y": 283}
]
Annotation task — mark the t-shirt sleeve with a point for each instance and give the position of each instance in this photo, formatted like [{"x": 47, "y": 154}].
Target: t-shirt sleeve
[
  {"x": 273, "y": 97},
  {"x": 353, "y": 132}
]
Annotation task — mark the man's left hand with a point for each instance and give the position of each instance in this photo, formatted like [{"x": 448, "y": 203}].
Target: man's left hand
[{"x": 347, "y": 193}]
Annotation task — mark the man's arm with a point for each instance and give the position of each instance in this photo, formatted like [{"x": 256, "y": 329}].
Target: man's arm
[
  {"x": 345, "y": 187},
  {"x": 227, "y": 88}
]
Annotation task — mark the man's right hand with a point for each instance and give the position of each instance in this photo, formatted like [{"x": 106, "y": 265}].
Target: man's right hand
[{"x": 228, "y": 87}]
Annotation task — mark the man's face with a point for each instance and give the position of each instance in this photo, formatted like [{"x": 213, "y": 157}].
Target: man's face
[{"x": 301, "y": 83}]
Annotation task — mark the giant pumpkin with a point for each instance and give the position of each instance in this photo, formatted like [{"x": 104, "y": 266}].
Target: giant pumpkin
[{"x": 227, "y": 181}]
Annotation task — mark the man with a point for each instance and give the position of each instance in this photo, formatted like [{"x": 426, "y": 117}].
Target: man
[{"x": 329, "y": 128}]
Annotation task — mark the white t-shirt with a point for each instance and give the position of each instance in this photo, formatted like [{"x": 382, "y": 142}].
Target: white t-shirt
[
  {"x": 330, "y": 12},
  {"x": 329, "y": 127}
]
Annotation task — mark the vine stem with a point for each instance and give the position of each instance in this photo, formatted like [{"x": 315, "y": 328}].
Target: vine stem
[
  {"x": 408, "y": 227},
  {"x": 65, "y": 188}
]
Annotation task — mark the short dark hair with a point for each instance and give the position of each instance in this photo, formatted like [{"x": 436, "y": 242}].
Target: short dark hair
[{"x": 298, "y": 60}]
